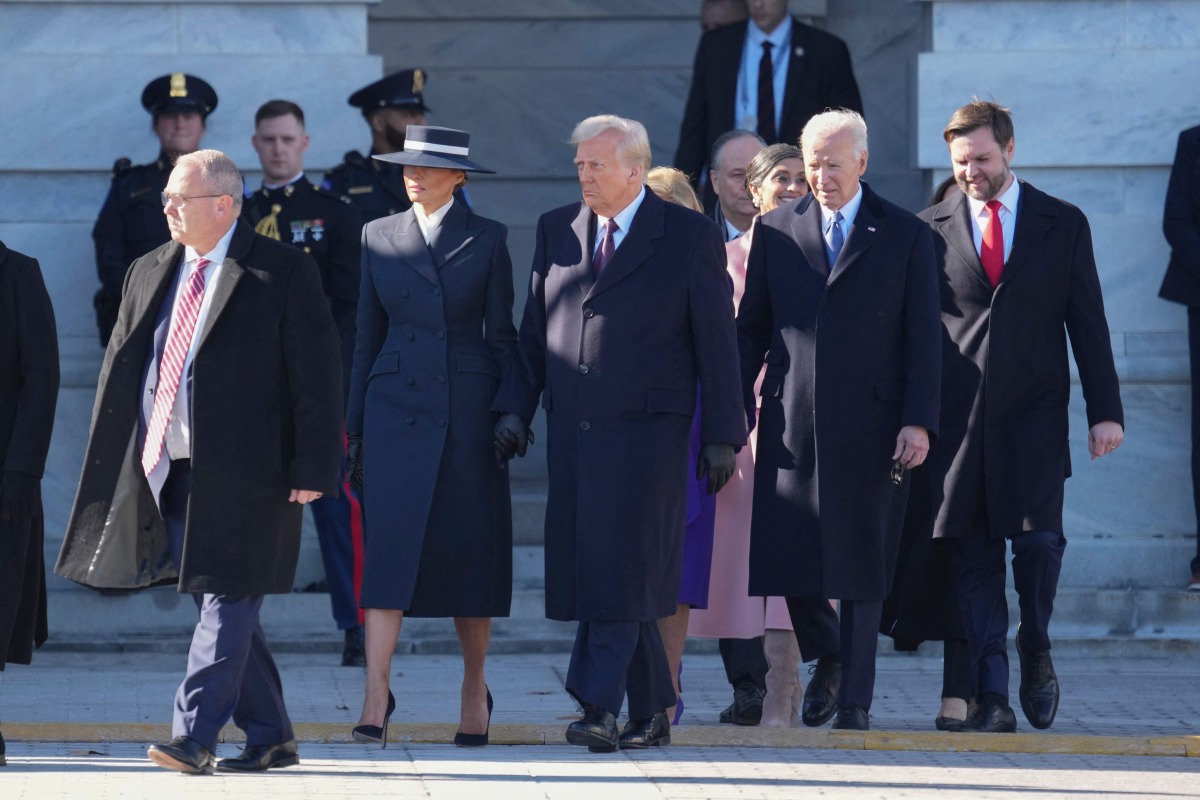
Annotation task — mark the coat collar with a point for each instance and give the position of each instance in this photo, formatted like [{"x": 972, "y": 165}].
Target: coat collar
[
  {"x": 796, "y": 64},
  {"x": 409, "y": 245},
  {"x": 635, "y": 248},
  {"x": 231, "y": 274},
  {"x": 807, "y": 230},
  {"x": 452, "y": 235}
]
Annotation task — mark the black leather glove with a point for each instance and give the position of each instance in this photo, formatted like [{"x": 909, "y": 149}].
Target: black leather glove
[
  {"x": 354, "y": 461},
  {"x": 716, "y": 461},
  {"x": 510, "y": 437},
  {"x": 18, "y": 496}
]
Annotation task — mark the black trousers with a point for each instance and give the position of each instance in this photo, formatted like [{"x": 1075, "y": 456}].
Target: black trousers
[
  {"x": 744, "y": 660},
  {"x": 856, "y": 637},
  {"x": 1194, "y": 353},
  {"x": 230, "y": 672},
  {"x": 981, "y": 576},
  {"x": 613, "y": 659}
]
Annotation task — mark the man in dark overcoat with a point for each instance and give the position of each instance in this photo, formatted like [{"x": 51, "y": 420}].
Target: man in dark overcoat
[
  {"x": 1017, "y": 277},
  {"x": 629, "y": 309},
  {"x": 841, "y": 303},
  {"x": 735, "y": 85},
  {"x": 218, "y": 415},
  {"x": 28, "y": 396},
  {"x": 1181, "y": 284}
]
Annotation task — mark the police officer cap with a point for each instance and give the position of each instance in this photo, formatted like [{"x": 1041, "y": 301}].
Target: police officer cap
[
  {"x": 178, "y": 92},
  {"x": 401, "y": 89}
]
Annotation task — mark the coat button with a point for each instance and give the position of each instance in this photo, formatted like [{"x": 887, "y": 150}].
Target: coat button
[
  {"x": 110, "y": 411},
  {"x": 410, "y": 380},
  {"x": 584, "y": 369},
  {"x": 97, "y": 461},
  {"x": 585, "y": 425},
  {"x": 404, "y": 293},
  {"x": 410, "y": 421},
  {"x": 587, "y": 312},
  {"x": 411, "y": 336},
  {"x": 441, "y": 378},
  {"x": 124, "y": 359},
  {"x": 441, "y": 422},
  {"x": 436, "y": 291},
  {"x": 440, "y": 334}
]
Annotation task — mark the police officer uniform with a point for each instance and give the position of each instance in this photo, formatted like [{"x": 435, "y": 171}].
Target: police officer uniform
[
  {"x": 374, "y": 187},
  {"x": 131, "y": 222},
  {"x": 328, "y": 228}
]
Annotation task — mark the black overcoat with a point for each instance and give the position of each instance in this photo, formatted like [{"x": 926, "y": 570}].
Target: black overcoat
[
  {"x": 1002, "y": 458},
  {"x": 1181, "y": 223},
  {"x": 435, "y": 334},
  {"x": 616, "y": 362},
  {"x": 266, "y": 418},
  {"x": 852, "y": 356},
  {"x": 28, "y": 395}
]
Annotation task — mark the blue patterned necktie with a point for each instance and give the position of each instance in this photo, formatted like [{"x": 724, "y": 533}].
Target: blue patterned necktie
[{"x": 835, "y": 238}]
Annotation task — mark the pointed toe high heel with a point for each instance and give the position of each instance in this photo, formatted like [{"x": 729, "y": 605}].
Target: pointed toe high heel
[
  {"x": 476, "y": 739},
  {"x": 376, "y": 734}
]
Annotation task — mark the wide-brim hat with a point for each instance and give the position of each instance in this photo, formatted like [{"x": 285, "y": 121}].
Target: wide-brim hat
[
  {"x": 179, "y": 92},
  {"x": 431, "y": 146}
]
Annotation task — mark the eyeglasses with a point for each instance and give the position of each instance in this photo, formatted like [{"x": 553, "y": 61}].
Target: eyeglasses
[{"x": 180, "y": 199}]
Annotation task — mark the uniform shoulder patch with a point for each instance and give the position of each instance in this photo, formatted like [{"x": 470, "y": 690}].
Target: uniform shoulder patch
[{"x": 122, "y": 164}]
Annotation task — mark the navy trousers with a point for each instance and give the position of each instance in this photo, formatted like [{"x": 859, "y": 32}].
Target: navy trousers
[
  {"x": 744, "y": 660},
  {"x": 1194, "y": 352},
  {"x": 855, "y": 636},
  {"x": 332, "y": 517},
  {"x": 613, "y": 659},
  {"x": 230, "y": 673},
  {"x": 981, "y": 577}
]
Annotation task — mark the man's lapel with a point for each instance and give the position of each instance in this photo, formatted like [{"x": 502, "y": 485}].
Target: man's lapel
[
  {"x": 231, "y": 274},
  {"x": 1035, "y": 220},
  {"x": 452, "y": 235},
  {"x": 868, "y": 223},
  {"x": 795, "y": 73},
  {"x": 807, "y": 231},
  {"x": 636, "y": 246}
]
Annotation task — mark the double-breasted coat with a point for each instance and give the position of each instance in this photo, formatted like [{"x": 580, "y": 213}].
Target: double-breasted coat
[
  {"x": 435, "y": 334},
  {"x": 852, "y": 355},
  {"x": 616, "y": 362},
  {"x": 1002, "y": 459},
  {"x": 28, "y": 396},
  {"x": 266, "y": 416}
]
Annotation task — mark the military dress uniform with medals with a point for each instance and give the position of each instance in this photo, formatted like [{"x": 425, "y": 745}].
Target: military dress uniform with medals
[
  {"x": 326, "y": 227},
  {"x": 131, "y": 222}
]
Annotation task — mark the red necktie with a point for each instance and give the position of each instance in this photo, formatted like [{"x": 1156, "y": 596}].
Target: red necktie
[
  {"x": 170, "y": 369},
  {"x": 607, "y": 247},
  {"x": 992, "y": 251},
  {"x": 766, "y": 95}
]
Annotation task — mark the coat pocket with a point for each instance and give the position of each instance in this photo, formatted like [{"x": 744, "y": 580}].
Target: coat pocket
[
  {"x": 660, "y": 399},
  {"x": 478, "y": 362},
  {"x": 385, "y": 363}
]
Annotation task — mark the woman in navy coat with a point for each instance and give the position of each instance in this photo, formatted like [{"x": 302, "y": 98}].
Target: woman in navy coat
[{"x": 435, "y": 333}]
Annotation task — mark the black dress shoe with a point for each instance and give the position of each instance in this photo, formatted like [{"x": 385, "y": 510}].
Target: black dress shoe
[
  {"x": 820, "y": 696},
  {"x": 375, "y": 734},
  {"x": 182, "y": 754},
  {"x": 852, "y": 718},
  {"x": 261, "y": 757},
  {"x": 3, "y": 758},
  {"x": 949, "y": 723},
  {"x": 642, "y": 733},
  {"x": 993, "y": 715},
  {"x": 476, "y": 739},
  {"x": 726, "y": 716},
  {"x": 597, "y": 730},
  {"x": 747, "y": 708},
  {"x": 1039, "y": 686},
  {"x": 354, "y": 649}
]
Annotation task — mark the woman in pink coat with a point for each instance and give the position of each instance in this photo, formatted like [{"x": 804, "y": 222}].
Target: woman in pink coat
[{"x": 775, "y": 176}]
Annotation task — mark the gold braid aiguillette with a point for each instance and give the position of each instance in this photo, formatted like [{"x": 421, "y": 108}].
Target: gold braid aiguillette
[{"x": 269, "y": 225}]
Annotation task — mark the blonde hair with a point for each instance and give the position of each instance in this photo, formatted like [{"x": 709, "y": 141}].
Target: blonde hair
[
  {"x": 672, "y": 185},
  {"x": 633, "y": 147}
]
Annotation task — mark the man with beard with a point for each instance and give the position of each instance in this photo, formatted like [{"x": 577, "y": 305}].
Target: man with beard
[
  {"x": 374, "y": 187},
  {"x": 1017, "y": 273},
  {"x": 131, "y": 222}
]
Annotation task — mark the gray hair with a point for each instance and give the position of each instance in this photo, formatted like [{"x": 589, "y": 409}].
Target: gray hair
[
  {"x": 829, "y": 123},
  {"x": 632, "y": 148},
  {"x": 216, "y": 169},
  {"x": 714, "y": 155}
]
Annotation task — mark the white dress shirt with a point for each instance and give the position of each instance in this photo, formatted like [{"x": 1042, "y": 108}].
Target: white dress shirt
[
  {"x": 1007, "y": 213},
  {"x": 746, "y": 102},
  {"x": 431, "y": 222},
  {"x": 179, "y": 426}
]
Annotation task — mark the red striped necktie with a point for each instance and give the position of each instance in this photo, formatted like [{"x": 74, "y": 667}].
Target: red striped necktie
[{"x": 170, "y": 369}]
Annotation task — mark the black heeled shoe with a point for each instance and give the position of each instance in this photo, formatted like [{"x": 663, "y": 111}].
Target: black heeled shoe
[
  {"x": 375, "y": 734},
  {"x": 476, "y": 739}
]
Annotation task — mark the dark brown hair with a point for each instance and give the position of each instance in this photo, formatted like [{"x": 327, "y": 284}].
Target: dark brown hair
[
  {"x": 278, "y": 108},
  {"x": 977, "y": 114}
]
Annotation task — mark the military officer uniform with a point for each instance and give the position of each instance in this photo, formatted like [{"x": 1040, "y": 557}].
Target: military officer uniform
[{"x": 131, "y": 222}]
